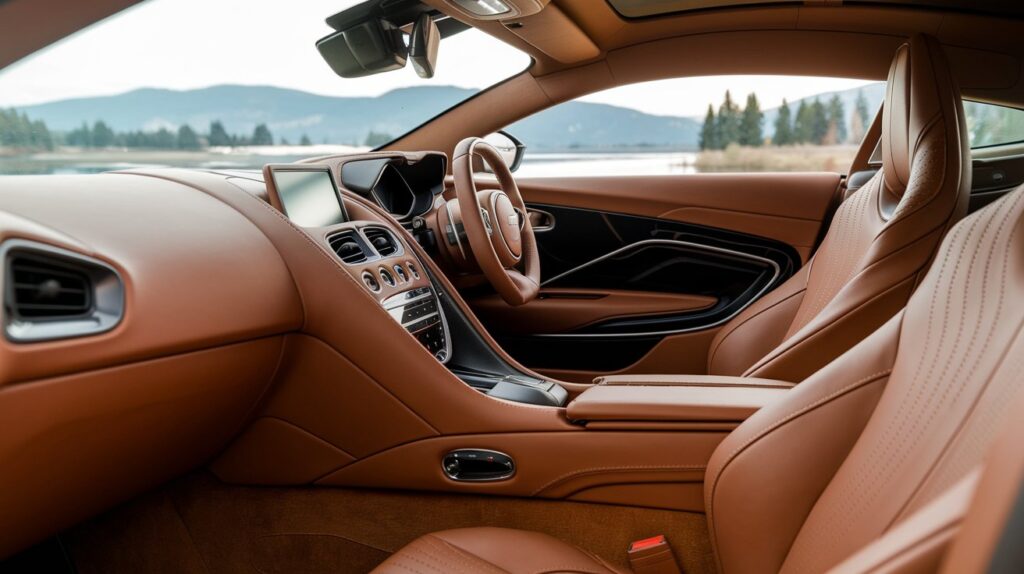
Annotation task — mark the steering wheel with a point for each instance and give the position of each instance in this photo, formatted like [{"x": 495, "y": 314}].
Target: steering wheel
[{"x": 496, "y": 224}]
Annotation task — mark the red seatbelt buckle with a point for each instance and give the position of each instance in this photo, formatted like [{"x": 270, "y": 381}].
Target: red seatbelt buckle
[{"x": 652, "y": 556}]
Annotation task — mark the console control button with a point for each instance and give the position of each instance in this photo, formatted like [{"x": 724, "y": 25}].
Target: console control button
[
  {"x": 402, "y": 277},
  {"x": 371, "y": 282}
]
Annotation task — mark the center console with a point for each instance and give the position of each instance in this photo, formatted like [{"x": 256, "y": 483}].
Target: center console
[{"x": 377, "y": 256}]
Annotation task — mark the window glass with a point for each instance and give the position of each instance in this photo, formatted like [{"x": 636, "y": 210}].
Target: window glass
[
  {"x": 219, "y": 83},
  {"x": 991, "y": 125},
  {"x": 704, "y": 124}
]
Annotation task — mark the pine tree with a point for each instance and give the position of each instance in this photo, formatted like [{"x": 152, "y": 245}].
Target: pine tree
[
  {"x": 163, "y": 139},
  {"x": 187, "y": 138},
  {"x": 783, "y": 126},
  {"x": 803, "y": 124},
  {"x": 708, "y": 136},
  {"x": 262, "y": 136},
  {"x": 102, "y": 135},
  {"x": 81, "y": 137},
  {"x": 836, "y": 132},
  {"x": 752, "y": 123},
  {"x": 218, "y": 135},
  {"x": 728, "y": 122},
  {"x": 819, "y": 122},
  {"x": 305, "y": 140}
]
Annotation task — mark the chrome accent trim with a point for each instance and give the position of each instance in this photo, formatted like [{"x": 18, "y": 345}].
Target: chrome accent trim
[
  {"x": 541, "y": 228},
  {"x": 108, "y": 294},
  {"x": 394, "y": 238},
  {"x": 421, "y": 319},
  {"x": 396, "y": 304},
  {"x": 389, "y": 304},
  {"x": 777, "y": 271},
  {"x": 455, "y": 229}
]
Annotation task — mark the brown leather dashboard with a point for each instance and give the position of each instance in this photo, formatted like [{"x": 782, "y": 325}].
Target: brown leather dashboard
[{"x": 247, "y": 344}]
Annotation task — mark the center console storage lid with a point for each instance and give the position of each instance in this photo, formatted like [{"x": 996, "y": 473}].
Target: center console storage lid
[{"x": 675, "y": 398}]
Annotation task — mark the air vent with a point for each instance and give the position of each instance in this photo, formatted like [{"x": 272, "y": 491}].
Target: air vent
[
  {"x": 52, "y": 293},
  {"x": 42, "y": 288},
  {"x": 382, "y": 241},
  {"x": 348, "y": 247}
]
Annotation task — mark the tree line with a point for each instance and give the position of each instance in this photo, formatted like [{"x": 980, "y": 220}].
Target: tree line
[
  {"x": 18, "y": 131},
  {"x": 815, "y": 122},
  {"x": 100, "y": 135}
]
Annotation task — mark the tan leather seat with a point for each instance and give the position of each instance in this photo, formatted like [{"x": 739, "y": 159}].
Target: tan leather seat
[
  {"x": 856, "y": 454},
  {"x": 860, "y": 451},
  {"x": 881, "y": 238}
]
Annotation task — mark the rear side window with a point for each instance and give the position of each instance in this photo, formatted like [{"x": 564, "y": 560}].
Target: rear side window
[{"x": 990, "y": 125}]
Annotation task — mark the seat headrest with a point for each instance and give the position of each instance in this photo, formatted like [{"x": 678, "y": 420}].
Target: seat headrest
[{"x": 919, "y": 93}]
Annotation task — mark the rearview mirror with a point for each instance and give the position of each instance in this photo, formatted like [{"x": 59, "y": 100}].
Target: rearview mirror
[
  {"x": 423, "y": 43},
  {"x": 370, "y": 46}
]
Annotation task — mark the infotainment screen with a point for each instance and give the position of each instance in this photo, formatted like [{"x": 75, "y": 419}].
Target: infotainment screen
[{"x": 307, "y": 194}]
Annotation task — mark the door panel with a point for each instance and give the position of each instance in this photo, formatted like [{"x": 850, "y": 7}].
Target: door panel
[
  {"x": 786, "y": 207},
  {"x": 638, "y": 272},
  {"x": 560, "y": 310}
]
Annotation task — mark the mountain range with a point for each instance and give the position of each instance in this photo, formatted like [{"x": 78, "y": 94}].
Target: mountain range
[{"x": 290, "y": 114}]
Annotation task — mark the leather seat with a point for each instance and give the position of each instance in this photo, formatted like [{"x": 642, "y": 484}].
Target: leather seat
[
  {"x": 491, "y": 550},
  {"x": 880, "y": 241},
  {"x": 857, "y": 461}
]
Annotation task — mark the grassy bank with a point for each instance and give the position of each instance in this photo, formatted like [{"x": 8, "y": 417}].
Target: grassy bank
[{"x": 787, "y": 158}]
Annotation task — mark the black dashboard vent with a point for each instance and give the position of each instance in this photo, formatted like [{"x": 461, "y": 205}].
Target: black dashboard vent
[
  {"x": 382, "y": 241},
  {"x": 41, "y": 288},
  {"x": 348, "y": 247}
]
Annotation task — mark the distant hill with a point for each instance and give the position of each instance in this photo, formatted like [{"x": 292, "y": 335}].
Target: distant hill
[
  {"x": 348, "y": 120},
  {"x": 584, "y": 125},
  {"x": 288, "y": 113}
]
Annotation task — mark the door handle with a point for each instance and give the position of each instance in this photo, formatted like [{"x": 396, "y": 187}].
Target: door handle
[
  {"x": 477, "y": 465},
  {"x": 540, "y": 220}
]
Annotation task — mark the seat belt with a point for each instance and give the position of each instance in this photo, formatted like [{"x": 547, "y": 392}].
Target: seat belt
[{"x": 652, "y": 556}]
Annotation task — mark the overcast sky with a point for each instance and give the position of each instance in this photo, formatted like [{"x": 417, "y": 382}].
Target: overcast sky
[{"x": 184, "y": 44}]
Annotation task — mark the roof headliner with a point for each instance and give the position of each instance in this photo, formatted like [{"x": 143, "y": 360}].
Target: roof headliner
[{"x": 654, "y": 8}]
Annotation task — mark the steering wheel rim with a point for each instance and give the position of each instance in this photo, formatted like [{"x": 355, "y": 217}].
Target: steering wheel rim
[{"x": 505, "y": 248}]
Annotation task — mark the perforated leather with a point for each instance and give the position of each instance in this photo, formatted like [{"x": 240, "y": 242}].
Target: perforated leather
[{"x": 881, "y": 240}]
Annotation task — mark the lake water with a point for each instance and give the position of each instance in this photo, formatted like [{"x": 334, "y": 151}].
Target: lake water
[{"x": 534, "y": 164}]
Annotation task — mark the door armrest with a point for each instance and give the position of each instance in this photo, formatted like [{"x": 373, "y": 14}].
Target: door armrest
[{"x": 674, "y": 399}]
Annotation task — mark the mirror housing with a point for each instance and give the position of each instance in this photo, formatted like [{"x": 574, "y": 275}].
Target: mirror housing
[
  {"x": 423, "y": 42},
  {"x": 370, "y": 46},
  {"x": 511, "y": 149}
]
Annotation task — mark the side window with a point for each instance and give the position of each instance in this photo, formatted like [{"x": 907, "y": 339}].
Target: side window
[
  {"x": 703, "y": 124},
  {"x": 991, "y": 125}
]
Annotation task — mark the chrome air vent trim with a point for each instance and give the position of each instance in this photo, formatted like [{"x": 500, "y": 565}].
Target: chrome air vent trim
[
  {"x": 97, "y": 309},
  {"x": 349, "y": 247},
  {"x": 383, "y": 241}
]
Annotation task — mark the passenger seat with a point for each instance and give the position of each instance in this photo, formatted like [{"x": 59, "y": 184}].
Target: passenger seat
[{"x": 881, "y": 238}]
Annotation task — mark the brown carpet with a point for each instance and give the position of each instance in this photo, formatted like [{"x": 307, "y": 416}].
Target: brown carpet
[{"x": 198, "y": 524}]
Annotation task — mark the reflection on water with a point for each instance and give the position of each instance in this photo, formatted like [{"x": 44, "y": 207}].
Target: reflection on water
[{"x": 534, "y": 164}]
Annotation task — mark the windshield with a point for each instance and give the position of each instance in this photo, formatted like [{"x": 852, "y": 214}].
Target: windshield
[{"x": 219, "y": 84}]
